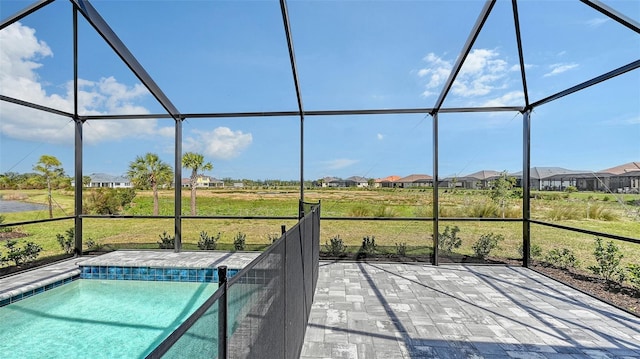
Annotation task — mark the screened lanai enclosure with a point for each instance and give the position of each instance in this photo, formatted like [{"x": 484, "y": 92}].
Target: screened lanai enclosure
[{"x": 401, "y": 117}]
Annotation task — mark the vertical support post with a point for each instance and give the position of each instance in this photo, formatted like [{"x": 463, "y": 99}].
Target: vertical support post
[
  {"x": 526, "y": 195},
  {"x": 300, "y": 210},
  {"x": 77, "y": 196},
  {"x": 223, "y": 349},
  {"x": 436, "y": 180},
  {"x": 177, "y": 211},
  {"x": 283, "y": 229}
]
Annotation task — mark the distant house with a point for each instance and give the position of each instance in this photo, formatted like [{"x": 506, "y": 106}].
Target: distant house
[
  {"x": 387, "y": 182},
  {"x": 479, "y": 180},
  {"x": 356, "y": 181},
  {"x": 204, "y": 182},
  {"x": 552, "y": 178},
  {"x": 103, "y": 180},
  {"x": 624, "y": 178},
  {"x": 416, "y": 180}
]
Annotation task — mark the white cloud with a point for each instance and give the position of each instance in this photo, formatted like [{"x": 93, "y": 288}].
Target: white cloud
[
  {"x": 21, "y": 54},
  {"x": 596, "y": 22},
  {"x": 339, "y": 163},
  {"x": 221, "y": 143},
  {"x": 380, "y": 136},
  {"x": 482, "y": 72},
  {"x": 513, "y": 98},
  {"x": 559, "y": 68}
]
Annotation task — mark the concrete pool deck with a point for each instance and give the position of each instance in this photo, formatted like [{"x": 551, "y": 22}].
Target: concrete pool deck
[
  {"x": 391, "y": 310},
  {"x": 28, "y": 281}
]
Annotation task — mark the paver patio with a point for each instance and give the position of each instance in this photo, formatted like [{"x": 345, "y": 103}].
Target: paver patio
[{"x": 383, "y": 310}]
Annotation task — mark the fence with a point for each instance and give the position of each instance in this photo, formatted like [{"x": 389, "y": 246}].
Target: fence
[{"x": 262, "y": 312}]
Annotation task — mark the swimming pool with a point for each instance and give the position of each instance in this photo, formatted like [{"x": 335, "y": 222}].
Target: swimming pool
[{"x": 98, "y": 318}]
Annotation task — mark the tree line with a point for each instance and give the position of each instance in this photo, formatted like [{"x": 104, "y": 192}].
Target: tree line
[{"x": 145, "y": 172}]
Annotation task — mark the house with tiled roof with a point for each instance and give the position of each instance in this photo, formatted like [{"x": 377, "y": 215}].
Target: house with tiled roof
[
  {"x": 624, "y": 178},
  {"x": 479, "y": 180},
  {"x": 415, "y": 180},
  {"x": 387, "y": 182}
]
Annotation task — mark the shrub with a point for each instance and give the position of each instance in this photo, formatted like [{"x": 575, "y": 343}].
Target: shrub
[
  {"x": 67, "y": 241},
  {"x": 560, "y": 213},
  {"x": 448, "y": 240},
  {"x": 207, "y": 242},
  {"x": 335, "y": 247},
  {"x": 608, "y": 262},
  {"x": 561, "y": 258},
  {"x": 385, "y": 212},
  {"x": 571, "y": 189},
  {"x": 368, "y": 246},
  {"x": 166, "y": 241},
  {"x": 601, "y": 213},
  {"x": 485, "y": 244},
  {"x": 634, "y": 275},
  {"x": 109, "y": 200},
  {"x": 534, "y": 250},
  {"x": 401, "y": 249},
  {"x": 273, "y": 237},
  {"x": 360, "y": 211},
  {"x": 483, "y": 210},
  {"x": 17, "y": 255},
  {"x": 94, "y": 245},
  {"x": 239, "y": 241}
]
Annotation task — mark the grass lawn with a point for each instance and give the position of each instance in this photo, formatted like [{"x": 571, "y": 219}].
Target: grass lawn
[{"x": 611, "y": 215}]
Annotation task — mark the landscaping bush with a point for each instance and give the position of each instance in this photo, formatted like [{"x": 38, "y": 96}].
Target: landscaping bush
[
  {"x": 166, "y": 241},
  {"x": 608, "y": 262},
  {"x": 571, "y": 189},
  {"x": 485, "y": 244},
  {"x": 386, "y": 212},
  {"x": 561, "y": 258},
  {"x": 19, "y": 256},
  {"x": 207, "y": 242},
  {"x": 239, "y": 241},
  {"x": 67, "y": 241},
  {"x": 335, "y": 247},
  {"x": 534, "y": 250},
  {"x": 368, "y": 247},
  {"x": 401, "y": 249},
  {"x": 448, "y": 240},
  {"x": 634, "y": 275},
  {"x": 94, "y": 245},
  {"x": 483, "y": 210},
  {"x": 601, "y": 213}
]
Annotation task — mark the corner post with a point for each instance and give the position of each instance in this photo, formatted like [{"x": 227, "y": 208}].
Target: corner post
[
  {"x": 526, "y": 188},
  {"x": 436, "y": 184}
]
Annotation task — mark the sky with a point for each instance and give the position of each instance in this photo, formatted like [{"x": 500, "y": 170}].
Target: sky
[{"x": 232, "y": 56}]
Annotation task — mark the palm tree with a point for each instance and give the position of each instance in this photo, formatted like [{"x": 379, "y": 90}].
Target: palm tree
[
  {"x": 195, "y": 162},
  {"x": 50, "y": 168},
  {"x": 150, "y": 171}
]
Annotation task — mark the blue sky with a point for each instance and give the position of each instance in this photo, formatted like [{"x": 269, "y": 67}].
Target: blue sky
[{"x": 231, "y": 56}]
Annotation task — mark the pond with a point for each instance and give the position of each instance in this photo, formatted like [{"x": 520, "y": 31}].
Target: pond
[{"x": 16, "y": 206}]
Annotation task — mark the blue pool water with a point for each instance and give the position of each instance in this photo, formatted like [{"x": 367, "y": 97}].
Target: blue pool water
[{"x": 98, "y": 318}]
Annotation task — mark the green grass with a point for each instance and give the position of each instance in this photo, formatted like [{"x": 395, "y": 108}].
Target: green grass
[{"x": 580, "y": 210}]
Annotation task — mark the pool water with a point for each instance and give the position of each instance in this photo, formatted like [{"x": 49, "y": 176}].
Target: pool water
[{"x": 98, "y": 319}]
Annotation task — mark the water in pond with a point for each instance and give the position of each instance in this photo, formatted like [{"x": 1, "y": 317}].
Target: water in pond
[
  {"x": 98, "y": 319},
  {"x": 15, "y": 206}
]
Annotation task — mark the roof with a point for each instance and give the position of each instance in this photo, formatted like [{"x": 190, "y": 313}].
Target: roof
[
  {"x": 103, "y": 177},
  {"x": 357, "y": 179},
  {"x": 415, "y": 178},
  {"x": 391, "y": 178},
  {"x": 625, "y": 168},
  {"x": 547, "y": 172},
  {"x": 482, "y": 175}
]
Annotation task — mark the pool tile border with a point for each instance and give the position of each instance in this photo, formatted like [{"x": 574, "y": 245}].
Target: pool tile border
[{"x": 151, "y": 273}]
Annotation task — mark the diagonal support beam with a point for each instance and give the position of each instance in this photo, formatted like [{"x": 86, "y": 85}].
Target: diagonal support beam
[
  {"x": 35, "y": 106},
  {"x": 24, "y": 12},
  {"x": 296, "y": 82},
  {"x": 516, "y": 22},
  {"x": 611, "y": 74},
  {"x": 93, "y": 17},
  {"x": 614, "y": 14},
  {"x": 475, "y": 31}
]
